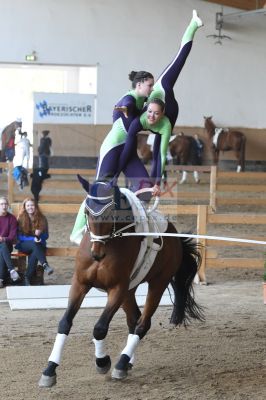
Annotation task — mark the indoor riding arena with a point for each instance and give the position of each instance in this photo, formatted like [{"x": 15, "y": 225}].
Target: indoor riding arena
[{"x": 64, "y": 66}]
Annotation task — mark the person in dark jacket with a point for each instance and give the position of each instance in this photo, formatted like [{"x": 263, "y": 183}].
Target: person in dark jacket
[{"x": 44, "y": 150}]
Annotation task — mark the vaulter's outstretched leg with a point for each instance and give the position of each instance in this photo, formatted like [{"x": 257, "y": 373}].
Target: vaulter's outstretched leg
[{"x": 163, "y": 88}]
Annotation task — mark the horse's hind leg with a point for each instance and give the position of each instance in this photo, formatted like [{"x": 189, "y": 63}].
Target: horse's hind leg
[
  {"x": 143, "y": 325},
  {"x": 238, "y": 157},
  {"x": 76, "y": 296}
]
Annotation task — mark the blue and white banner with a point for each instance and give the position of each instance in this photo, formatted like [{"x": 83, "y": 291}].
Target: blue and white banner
[{"x": 64, "y": 108}]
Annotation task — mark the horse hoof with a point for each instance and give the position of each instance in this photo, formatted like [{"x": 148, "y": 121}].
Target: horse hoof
[
  {"x": 130, "y": 366},
  {"x": 47, "y": 381},
  {"x": 119, "y": 374},
  {"x": 103, "y": 365},
  {"x": 181, "y": 182}
]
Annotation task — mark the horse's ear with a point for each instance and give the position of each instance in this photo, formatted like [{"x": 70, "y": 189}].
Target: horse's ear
[{"x": 85, "y": 184}]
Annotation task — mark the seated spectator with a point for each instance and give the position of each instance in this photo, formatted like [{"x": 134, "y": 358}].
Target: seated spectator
[
  {"x": 32, "y": 236},
  {"x": 8, "y": 235}
]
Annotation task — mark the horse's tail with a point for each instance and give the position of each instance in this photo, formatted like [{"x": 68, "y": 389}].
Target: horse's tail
[
  {"x": 185, "y": 307},
  {"x": 242, "y": 153}
]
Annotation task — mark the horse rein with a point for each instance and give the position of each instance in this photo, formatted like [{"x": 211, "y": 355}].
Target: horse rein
[{"x": 114, "y": 233}]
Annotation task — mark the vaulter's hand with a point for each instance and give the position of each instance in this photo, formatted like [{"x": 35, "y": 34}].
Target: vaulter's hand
[
  {"x": 156, "y": 190},
  {"x": 123, "y": 109}
]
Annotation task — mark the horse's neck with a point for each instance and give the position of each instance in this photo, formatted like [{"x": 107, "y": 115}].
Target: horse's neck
[
  {"x": 211, "y": 129},
  {"x": 7, "y": 133}
]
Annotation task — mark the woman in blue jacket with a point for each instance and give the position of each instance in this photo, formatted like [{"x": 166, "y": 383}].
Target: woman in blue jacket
[{"x": 32, "y": 236}]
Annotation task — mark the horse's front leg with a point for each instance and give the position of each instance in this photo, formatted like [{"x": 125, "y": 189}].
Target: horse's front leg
[
  {"x": 76, "y": 296},
  {"x": 215, "y": 156},
  {"x": 114, "y": 301},
  {"x": 133, "y": 314}
]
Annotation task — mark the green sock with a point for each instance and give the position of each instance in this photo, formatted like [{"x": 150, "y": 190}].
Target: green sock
[{"x": 189, "y": 33}]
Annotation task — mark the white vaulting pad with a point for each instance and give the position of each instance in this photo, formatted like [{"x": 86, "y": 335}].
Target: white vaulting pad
[{"x": 56, "y": 296}]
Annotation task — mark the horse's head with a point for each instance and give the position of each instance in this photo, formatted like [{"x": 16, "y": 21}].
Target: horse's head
[
  {"x": 207, "y": 119},
  {"x": 209, "y": 125},
  {"x": 16, "y": 125},
  {"x": 101, "y": 208}
]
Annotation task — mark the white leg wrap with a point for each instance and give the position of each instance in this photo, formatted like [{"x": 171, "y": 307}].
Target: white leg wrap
[
  {"x": 132, "y": 360},
  {"x": 196, "y": 176},
  {"x": 238, "y": 168},
  {"x": 184, "y": 177},
  {"x": 99, "y": 348},
  {"x": 132, "y": 343},
  {"x": 58, "y": 348}
]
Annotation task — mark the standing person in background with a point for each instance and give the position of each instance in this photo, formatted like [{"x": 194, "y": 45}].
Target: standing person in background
[
  {"x": 22, "y": 151},
  {"x": 45, "y": 150},
  {"x": 32, "y": 236},
  {"x": 8, "y": 236},
  {"x": 21, "y": 160},
  {"x": 199, "y": 148}
]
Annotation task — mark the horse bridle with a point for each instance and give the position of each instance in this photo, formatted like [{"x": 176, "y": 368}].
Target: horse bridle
[{"x": 114, "y": 233}]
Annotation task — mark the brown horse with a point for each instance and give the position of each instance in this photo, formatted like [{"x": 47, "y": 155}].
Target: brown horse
[
  {"x": 183, "y": 150},
  {"x": 105, "y": 260},
  {"x": 8, "y": 140},
  {"x": 225, "y": 140},
  {"x": 144, "y": 149}
]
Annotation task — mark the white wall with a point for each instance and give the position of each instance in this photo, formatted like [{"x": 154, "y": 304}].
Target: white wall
[{"x": 225, "y": 81}]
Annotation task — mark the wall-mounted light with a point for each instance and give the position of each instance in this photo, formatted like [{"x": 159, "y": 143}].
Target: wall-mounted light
[{"x": 31, "y": 57}]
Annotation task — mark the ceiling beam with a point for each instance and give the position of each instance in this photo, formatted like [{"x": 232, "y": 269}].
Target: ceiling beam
[{"x": 241, "y": 4}]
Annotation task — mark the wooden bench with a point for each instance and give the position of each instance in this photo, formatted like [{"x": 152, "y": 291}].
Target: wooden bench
[{"x": 20, "y": 262}]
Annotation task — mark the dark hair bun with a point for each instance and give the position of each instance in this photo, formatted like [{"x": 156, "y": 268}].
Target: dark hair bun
[{"x": 132, "y": 75}]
